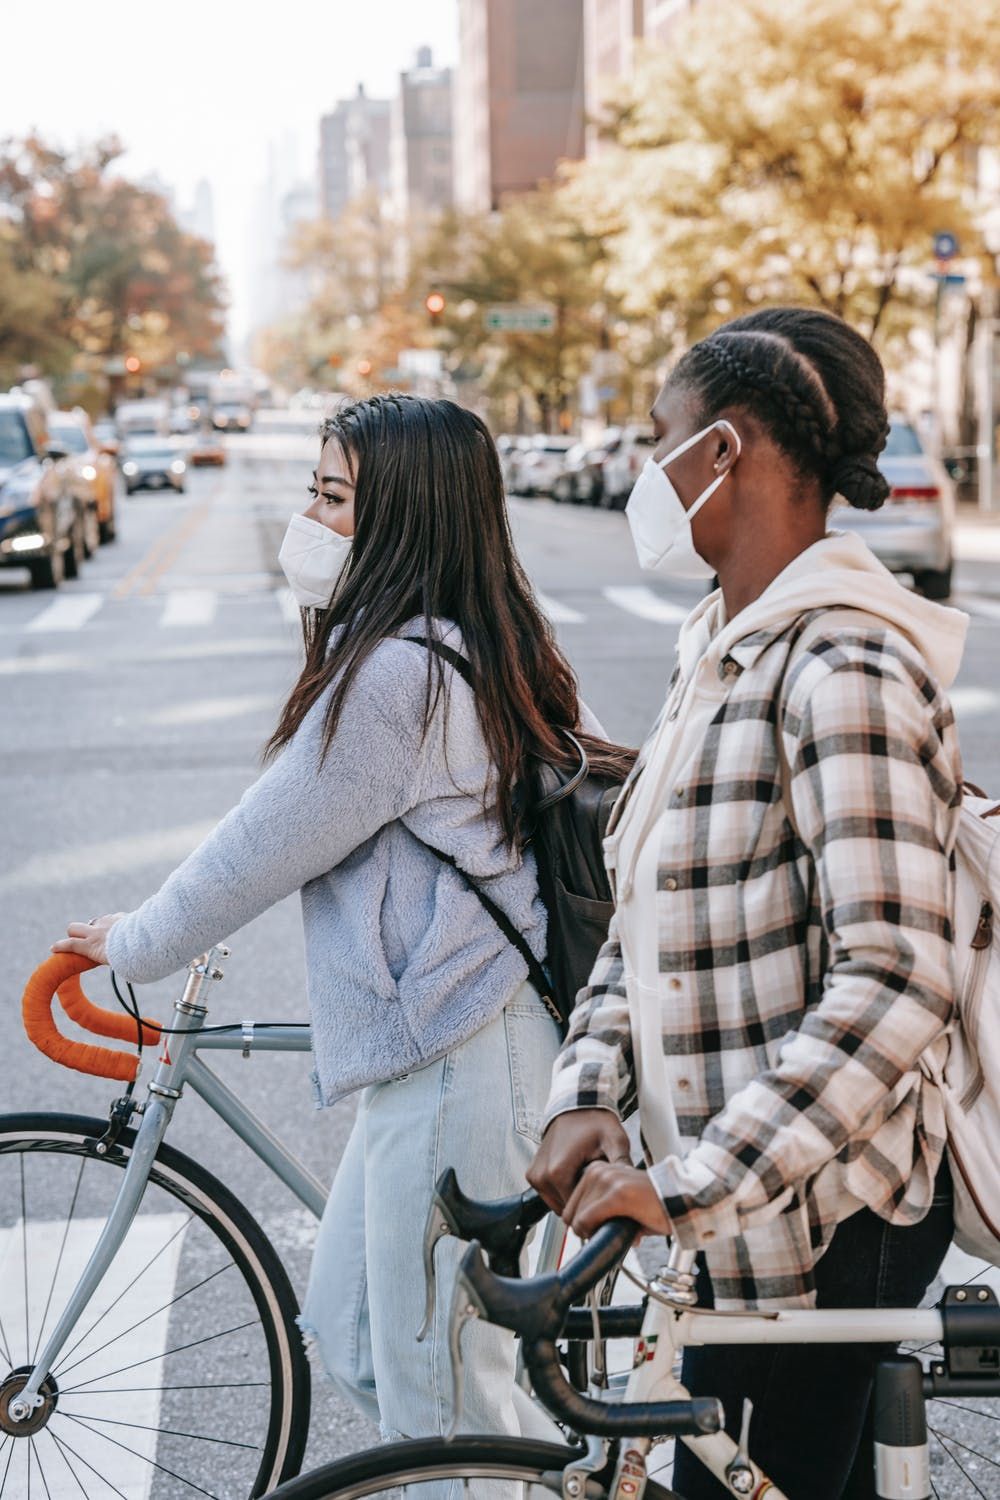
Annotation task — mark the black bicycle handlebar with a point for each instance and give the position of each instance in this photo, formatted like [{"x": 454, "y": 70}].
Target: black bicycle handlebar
[{"x": 696, "y": 1415}]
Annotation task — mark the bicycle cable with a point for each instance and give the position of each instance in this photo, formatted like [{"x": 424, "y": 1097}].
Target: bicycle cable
[{"x": 132, "y": 1009}]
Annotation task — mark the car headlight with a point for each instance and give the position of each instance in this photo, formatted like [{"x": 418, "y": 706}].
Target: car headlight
[
  {"x": 178, "y": 466},
  {"x": 130, "y": 468},
  {"x": 88, "y": 472}
]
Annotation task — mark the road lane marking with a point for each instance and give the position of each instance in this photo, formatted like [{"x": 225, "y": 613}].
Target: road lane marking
[
  {"x": 189, "y": 607},
  {"x": 975, "y": 604},
  {"x": 289, "y": 609},
  {"x": 969, "y": 701},
  {"x": 210, "y": 710},
  {"x": 637, "y": 599},
  {"x": 559, "y": 613},
  {"x": 166, "y": 549},
  {"x": 67, "y": 613},
  {"x": 132, "y": 1473},
  {"x": 119, "y": 856}
]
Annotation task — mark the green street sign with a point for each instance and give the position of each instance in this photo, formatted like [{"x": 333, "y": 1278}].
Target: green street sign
[{"x": 520, "y": 317}]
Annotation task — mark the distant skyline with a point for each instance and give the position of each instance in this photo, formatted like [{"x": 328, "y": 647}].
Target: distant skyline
[{"x": 201, "y": 90}]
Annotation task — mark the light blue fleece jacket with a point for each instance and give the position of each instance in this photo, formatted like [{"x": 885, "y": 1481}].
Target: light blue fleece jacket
[{"x": 403, "y": 963}]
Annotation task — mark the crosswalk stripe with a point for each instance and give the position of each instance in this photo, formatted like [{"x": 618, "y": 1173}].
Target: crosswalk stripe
[
  {"x": 637, "y": 599},
  {"x": 974, "y": 604},
  {"x": 189, "y": 607},
  {"x": 67, "y": 613},
  {"x": 559, "y": 613}
]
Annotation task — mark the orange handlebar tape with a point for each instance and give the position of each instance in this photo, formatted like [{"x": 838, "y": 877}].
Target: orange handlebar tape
[{"x": 60, "y": 975}]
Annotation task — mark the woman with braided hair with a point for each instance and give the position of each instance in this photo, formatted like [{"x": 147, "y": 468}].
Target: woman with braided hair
[{"x": 780, "y": 954}]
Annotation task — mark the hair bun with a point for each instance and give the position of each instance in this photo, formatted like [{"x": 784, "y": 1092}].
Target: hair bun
[{"x": 858, "y": 478}]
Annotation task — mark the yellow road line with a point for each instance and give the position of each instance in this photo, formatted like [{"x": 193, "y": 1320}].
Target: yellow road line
[{"x": 164, "y": 551}]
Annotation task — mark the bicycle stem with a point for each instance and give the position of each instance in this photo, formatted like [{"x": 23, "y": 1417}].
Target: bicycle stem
[{"x": 189, "y": 1015}]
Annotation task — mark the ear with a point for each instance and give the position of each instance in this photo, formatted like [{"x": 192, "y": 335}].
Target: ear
[{"x": 727, "y": 446}]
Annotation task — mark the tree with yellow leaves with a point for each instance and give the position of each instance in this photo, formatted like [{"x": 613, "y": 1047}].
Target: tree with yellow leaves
[{"x": 784, "y": 152}]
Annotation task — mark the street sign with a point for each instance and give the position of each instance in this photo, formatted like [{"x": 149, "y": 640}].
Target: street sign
[
  {"x": 520, "y": 317},
  {"x": 945, "y": 245},
  {"x": 948, "y": 278}
]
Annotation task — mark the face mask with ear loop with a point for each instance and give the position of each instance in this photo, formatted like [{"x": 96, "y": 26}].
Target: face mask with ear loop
[
  {"x": 660, "y": 526},
  {"x": 312, "y": 558}
]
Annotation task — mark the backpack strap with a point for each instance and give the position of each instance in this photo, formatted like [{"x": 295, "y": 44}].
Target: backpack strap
[{"x": 536, "y": 972}]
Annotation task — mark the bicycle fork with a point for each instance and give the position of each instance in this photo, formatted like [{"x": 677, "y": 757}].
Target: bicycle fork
[{"x": 163, "y": 1093}]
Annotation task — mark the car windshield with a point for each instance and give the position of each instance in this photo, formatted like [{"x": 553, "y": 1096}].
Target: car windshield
[
  {"x": 69, "y": 436},
  {"x": 152, "y": 455},
  {"x": 14, "y": 441},
  {"x": 902, "y": 442}
]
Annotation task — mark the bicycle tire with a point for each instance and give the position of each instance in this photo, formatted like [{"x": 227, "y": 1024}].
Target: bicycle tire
[
  {"x": 285, "y": 1393},
  {"x": 431, "y": 1460}
]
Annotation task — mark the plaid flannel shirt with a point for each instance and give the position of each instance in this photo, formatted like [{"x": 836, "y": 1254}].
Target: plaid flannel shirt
[{"x": 804, "y": 965}]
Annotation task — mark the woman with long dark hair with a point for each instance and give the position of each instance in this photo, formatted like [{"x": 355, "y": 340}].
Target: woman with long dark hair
[
  {"x": 384, "y": 754},
  {"x": 781, "y": 951}
]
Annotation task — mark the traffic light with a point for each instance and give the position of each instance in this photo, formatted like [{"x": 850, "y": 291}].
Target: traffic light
[
  {"x": 435, "y": 305},
  {"x": 133, "y": 364},
  {"x": 364, "y": 367}
]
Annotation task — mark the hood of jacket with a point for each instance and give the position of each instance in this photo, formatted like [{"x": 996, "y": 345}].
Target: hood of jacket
[{"x": 840, "y": 570}]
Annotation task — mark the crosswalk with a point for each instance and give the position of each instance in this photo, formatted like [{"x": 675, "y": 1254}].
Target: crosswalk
[{"x": 196, "y": 608}]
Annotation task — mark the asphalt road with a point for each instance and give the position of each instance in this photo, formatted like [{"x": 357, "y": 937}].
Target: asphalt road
[{"x": 135, "y": 703}]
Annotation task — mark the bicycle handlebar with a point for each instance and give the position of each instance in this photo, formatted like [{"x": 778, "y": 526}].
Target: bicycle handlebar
[
  {"x": 60, "y": 976},
  {"x": 536, "y": 1310}
]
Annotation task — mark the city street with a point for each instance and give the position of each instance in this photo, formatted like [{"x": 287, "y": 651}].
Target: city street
[{"x": 137, "y": 699}]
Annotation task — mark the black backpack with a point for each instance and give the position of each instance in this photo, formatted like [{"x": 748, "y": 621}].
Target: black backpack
[{"x": 568, "y": 818}]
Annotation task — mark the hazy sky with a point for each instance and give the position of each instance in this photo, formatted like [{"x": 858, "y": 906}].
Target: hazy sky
[{"x": 198, "y": 88}]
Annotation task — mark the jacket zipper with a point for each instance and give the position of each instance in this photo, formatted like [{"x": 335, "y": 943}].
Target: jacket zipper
[{"x": 971, "y": 995}]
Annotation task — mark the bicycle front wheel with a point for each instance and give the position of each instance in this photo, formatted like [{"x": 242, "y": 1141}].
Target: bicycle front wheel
[
  {"x": 186, "y": 1374},
  {"x": 475, "y": 1461}
]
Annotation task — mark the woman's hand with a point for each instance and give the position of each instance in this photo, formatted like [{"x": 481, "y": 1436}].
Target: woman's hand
[
  {"x": 573, "y": 1140},
  {"x": 89, "y": 938},
  {"x": 610, "y": 1190}
]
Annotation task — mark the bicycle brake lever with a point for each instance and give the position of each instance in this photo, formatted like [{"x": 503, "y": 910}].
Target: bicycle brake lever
[
  {"x": 436, "y": 1228},
  {"x": 464, "y": 1307}
]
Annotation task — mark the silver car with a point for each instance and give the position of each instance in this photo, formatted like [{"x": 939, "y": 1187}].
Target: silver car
[{"x": 912, "y": 532}]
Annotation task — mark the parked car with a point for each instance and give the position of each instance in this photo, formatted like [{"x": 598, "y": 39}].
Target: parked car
[
  {"x": 41, "y": 521},
  {"x": 537, "y": 468},
  {"x": 582, "y": 478},
  {"x": 206, "y": 448},
  {"x": 232, "y": 416},
  {"x": 92, "y": 472},
  {"x": 152, "y": 464},
  {"x": 510, "y": 445},
  {"x": 911, "y": 533},
  {"x": 623, "y": 465}
]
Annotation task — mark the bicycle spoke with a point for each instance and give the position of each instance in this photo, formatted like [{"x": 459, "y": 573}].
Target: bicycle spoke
[
  {"x": 973, "y": 1411},
  {"x": 195, "y": 1437},
  {"x": 138, "y": 1277},
  {"x": 960, "y": 1466},
  {"x": 24, "y": 1256},
  {"x": 10, "y": 1455},
  {"x": 179, "y": 1349},
  {"x": 124, "y": 1333},
  {"x": 62, "y": 1247},
  {"x": 131, "y": 1390},
  {"x": 958, "y": 1442},
  {"x": 80, "y": 1459},
  {"x": 136, "y": 1454},
  {"x": 41, "y": 1471}
]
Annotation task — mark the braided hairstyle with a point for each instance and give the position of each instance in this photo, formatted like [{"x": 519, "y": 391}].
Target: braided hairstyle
[{"x": 815, "y": 386}]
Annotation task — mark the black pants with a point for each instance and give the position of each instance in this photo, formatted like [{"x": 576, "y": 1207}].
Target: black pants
[{"x": 810, "y": 1431}]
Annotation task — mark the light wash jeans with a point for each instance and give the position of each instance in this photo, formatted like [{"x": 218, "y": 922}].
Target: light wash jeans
[{"x": 478, "y": 1109}]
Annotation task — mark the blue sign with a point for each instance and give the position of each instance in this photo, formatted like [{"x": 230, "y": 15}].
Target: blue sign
[{"x": 945, "y": 246}]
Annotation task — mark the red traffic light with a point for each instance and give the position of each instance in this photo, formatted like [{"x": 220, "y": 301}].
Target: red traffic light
[
  {"x": 434, "y": 304},
  {"x": 133, "y": 364}
]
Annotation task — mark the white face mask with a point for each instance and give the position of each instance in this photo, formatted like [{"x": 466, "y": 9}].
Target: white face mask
[
  {"x": 660, "y": 526},
  {"x": 313, "y": 558}
]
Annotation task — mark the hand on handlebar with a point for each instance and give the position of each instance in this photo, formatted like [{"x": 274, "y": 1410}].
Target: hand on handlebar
[
  {"x": 614, "y": 1190},
  {"x": 571, "y": 1143},
  {"x": 89, "y": 939}
]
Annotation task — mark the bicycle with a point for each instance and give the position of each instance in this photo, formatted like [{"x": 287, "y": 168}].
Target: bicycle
[
  {"x": 611, "y": 1428},
  {"x": 98, "y": 1267}
]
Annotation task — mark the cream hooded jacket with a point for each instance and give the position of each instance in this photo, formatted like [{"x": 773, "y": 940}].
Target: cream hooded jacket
[{"x": 769, "y": 982}]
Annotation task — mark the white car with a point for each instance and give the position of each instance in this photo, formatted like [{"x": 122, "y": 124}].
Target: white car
[
  {"x": 536, "y": 469},
  {"x": 912, "y": 531},
  {"x": 623, "y": 466}
]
